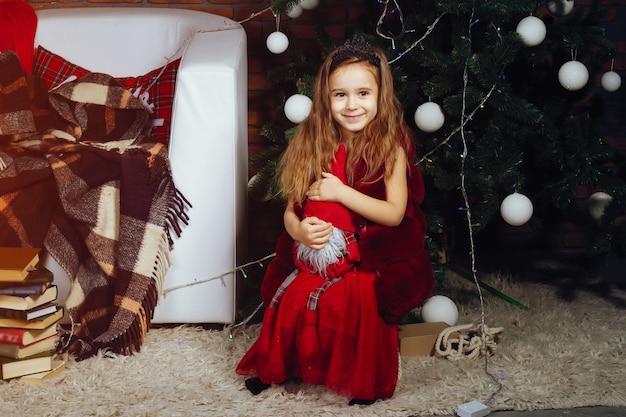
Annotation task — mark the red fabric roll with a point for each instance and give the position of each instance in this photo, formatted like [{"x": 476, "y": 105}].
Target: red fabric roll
[{"x": 18, "y": 24}]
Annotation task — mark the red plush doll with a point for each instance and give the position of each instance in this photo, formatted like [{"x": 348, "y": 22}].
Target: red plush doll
[{"x": 341, "y": 252}]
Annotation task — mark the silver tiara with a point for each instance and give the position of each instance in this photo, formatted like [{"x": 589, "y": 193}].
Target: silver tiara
[{"x": 356, "y": 47}]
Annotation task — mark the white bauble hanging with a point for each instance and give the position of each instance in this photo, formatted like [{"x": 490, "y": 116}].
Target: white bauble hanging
[
  {"x": 429, "y": 117},
  {"x": 297, "y": 108},
  {"x": 295, "y": 11},
  {"x": 560, "y": 7},
  {"x": 573, "y": 75},
  {"x": 309, "y": 4},
  {"x": 516, "y": 209},
  {"x": 251, "y": 183},
  {"x": 440, "y": 308},
  {"x": 611, "y": 81},
  {"x": 596, "y": 204},
  {"x": 277, "y": 42},
  {"x": 532, "y": 30}
]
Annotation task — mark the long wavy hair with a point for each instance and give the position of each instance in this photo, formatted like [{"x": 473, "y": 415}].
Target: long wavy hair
[{"x": 313, "y": 145}]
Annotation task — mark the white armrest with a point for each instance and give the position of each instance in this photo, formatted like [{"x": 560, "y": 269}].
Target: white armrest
[{"x": 208, "y": 153}]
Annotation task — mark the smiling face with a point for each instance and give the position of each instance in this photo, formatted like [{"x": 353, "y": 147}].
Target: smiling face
[{"x": 353, "y": 97}]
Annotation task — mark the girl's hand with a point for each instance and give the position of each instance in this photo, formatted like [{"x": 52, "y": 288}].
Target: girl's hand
[
  {"x": 313, "y": 232},
  {"x": 387, "y": 212},
  {"x": 327, "y": 188}
]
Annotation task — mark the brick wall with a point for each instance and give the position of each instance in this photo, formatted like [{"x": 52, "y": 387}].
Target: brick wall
[{"x": 265, "y": 219}]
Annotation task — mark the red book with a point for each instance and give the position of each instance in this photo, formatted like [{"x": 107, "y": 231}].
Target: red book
[
  {"x": 47, "y": 345},
  {"x": 23, "y": 337}
]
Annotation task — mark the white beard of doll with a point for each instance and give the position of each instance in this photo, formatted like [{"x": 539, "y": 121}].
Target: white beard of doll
[{"x": 319, "y": 260}]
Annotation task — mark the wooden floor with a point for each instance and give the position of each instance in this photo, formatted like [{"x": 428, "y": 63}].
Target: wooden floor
[{"x": 572, "y": 412}]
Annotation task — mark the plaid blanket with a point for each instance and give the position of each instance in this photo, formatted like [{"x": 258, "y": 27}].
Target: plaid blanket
[{"x": 74, "y": 180}]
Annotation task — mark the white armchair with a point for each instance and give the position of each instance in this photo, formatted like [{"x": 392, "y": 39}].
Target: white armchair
[{"x": 208, "y": 146}]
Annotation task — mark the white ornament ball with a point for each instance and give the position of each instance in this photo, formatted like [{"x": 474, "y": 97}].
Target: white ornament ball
[
  {"x": 516, "y": 209},
  {"x": 309, "y": 4},
  {"x": 532, "y": 30},
  {"x": 429, "y": 117},
  {"x": 573, "y": 75},
  {"x": 295, "y": 11},
  {"x": 251, "y": 183},
  {"x": 277, "y": 42},
  {"x": 297, "y": 108},
  {"x": 440, "y": 308},
  {"x": 596, "y": 204},
  {"x": 560, "y": 7},
  {"x": 611, "y": 81}
]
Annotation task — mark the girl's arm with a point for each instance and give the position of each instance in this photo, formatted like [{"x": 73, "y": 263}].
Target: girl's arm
[
  {"x": 311, "y": 231},
  {"x": 387, "y": 212}
]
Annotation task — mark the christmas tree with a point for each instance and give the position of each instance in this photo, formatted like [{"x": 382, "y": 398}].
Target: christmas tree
[{"x": 500, "y": 96}]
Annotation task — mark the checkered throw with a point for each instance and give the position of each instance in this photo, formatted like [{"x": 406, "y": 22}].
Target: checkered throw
[{"x": 75, "y": 180}]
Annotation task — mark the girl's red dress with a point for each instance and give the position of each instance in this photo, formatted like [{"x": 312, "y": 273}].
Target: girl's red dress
[
  {"x": 350, "y": 342},
  {"x": 353, "y": 352}
]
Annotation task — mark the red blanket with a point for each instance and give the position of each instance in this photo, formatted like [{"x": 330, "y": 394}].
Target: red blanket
[{"x": 75, "y": 179}]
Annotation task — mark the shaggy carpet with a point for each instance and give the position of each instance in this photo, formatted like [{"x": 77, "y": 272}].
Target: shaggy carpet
[{"x": 562, "y": 352}]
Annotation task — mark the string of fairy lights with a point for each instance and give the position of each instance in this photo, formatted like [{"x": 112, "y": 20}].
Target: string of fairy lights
[{"x": 468, "y": 213}]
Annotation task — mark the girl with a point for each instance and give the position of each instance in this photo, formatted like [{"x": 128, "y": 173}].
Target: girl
[{"x": 352, "y": 260}]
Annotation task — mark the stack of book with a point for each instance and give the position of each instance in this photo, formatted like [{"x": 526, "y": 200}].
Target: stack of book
[{"x": 28, "y": 317}]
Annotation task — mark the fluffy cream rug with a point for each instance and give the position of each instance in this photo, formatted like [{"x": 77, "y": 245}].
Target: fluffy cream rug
[{"x": 558, "y": 354}]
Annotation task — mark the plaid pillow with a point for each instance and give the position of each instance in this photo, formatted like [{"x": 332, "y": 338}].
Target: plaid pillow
[
  {"x": 53, "y": 69},
  {"x": 160, "y": 93}
]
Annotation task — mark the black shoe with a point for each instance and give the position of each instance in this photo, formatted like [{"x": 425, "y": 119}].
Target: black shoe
[
  {"x": 357, "y": 401},
  {"x": 255, "y": 386}
]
